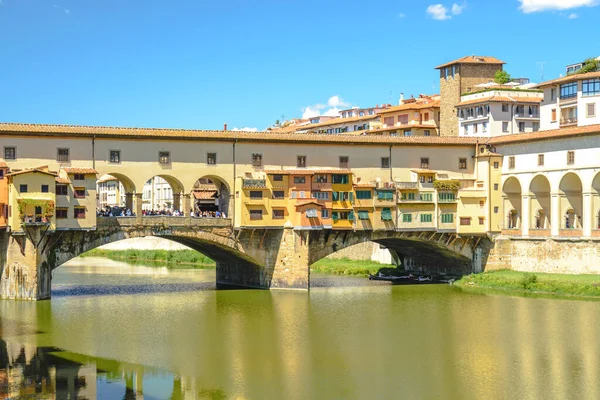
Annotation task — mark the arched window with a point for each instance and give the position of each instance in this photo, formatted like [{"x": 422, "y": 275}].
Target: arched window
[
  {"x": 513, "y": 219},
  {"x": 540, "y": 219}
]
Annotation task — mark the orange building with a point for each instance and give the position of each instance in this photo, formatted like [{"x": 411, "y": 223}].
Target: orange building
[{"x": 413, "y": 117}]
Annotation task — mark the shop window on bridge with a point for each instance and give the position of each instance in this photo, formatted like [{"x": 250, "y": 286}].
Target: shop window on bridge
[
  {"x": 385, "y": 195},
  {"x": 340, "y": 178},
  {"x": 312, "y": 213},
  {"x": 363, "y": 215},
  {"x": 255, "y": 215},
  {"x": 386, "y": 214},
  {"x": 79, "y": 212},
  {"x": 406, "y": 217},
  {"x": 426, "y": 218},
  {"x": 62, "y": 213},
  {"x": 363, "y": 195},
  {"x": 447, "y": 218}
]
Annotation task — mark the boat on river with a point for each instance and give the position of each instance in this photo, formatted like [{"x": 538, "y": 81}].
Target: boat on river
[{"x": 409, "y": 279}]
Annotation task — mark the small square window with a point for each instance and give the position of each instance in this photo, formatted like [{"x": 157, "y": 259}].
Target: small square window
[
  {"x": 496, "y": 164},
  {"x": 61, "y": 190},
  {"x": 277, "y": 178},
  {"x": 257, "y": 160},
  {"x": 344, "y": 161},
  {"x": 425, "y": 162},
  {"x": 62, "y": 155},
  {"x": 496, "y": 210},
  {"x": 79, "y": 193},
  {"x": 164, "y": 157},
  {"x": 115, "y": 156},
  {"x": 385, "y": 162},
  {"x": 511, "y": 162},
  {"x": 79, "y": 212},
  {"x": 570, "y": 157},
  {"x": 10, "y": 153},
  {"x": 211, "y": 158},
  {"x": 61, "y": 213},
  {"x": 462, "y": 163},
  {"x": 495, "y": 186},
  {"x": 299, "y": 179},
  {"x": 23, "y": 188},
  {"x": 504, "y": 107},
  {"x": 301, "y": 161},
  {"x": 45, "y": 189}
]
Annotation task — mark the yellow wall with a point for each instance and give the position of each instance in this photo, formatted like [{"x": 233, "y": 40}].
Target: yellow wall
[{"x": 34, "y": 182}]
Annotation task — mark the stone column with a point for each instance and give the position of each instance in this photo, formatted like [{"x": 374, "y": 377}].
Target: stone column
[
  {"x": 177, "y": 202},
  {"x": 587, "y": 218},
  {"x": 138, "y": 207},
  {"x": 129, "y": 201},
  {"x": 525, "y": 215},
  {"x": 555, "y": 214},
  {"x": 187, "y": 204}
]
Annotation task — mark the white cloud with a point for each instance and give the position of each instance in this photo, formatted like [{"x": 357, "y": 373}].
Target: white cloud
[
  {"x": 245, "y": 129},
  {"x": 335, "y": 101},
  {"x": 438, "y": 12},
  {"x": 332, "y": 108},
  {"x": 573, "y": 16},
  {"x": 311, "y": 111},
  {"x": 400, "y": 15},
  {"x": 529, "y": 6},
  {"x": 457, "y": 10},
  {"x": 332, "y": 112}
]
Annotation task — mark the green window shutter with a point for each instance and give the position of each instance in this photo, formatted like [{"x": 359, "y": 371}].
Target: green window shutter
[
  {"x": 363, "y": 215},
  {"x": 426, "y": 218},
  {"x": 351, "y": 216},
  {"x": 335, "y": 196},
  {"x": 351, "y": 197},
  {"x": 344, "y": 178},
  {"x": 386, "y": 214},
  {"x": 406, "y": 217},
  {"x": 335, "y": 216},
  {"x": 447, "y": 218}
]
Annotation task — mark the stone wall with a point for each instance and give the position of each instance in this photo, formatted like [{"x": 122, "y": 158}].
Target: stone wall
[{"x": 366, "y": 251}]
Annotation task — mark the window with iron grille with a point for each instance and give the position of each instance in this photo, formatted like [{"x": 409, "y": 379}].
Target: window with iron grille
[
  {"x": 10, "y": 153},
  {"x": 164, "y": 157},
  {"x": 425, "y": 162},
  {"x": 385, "y": 162},
  {"x": 256, "y": 160},
  {"x": 344, "y": 161},
  {"x": 462, "y": 163},
  {"x": 62, "y": 155},
  {"x": 511, "y": 162},
  {"x": 115, "y": 156},
  {"x": 301, "y": 161},
  {"x": 211, "y": 158},
  {"x": 570, "y": 157},
  {"x": 540, "y": 160}
]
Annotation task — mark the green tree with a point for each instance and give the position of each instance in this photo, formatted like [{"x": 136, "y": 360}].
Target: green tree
[
  {"x": 589, "y": 65},
  {"x": 501, "y": 77}
]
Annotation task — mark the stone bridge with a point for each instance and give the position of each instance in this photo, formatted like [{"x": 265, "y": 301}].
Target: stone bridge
[{"x": 258, "y": 258}]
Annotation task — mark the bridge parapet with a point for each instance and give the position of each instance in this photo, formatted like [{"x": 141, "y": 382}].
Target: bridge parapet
[{"x": 161, "y": 220}]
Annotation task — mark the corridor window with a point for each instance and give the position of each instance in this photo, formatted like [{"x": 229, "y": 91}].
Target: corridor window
[
  {"x": 61, "y": 190},
  {"x": 301, "y": 161},
  {"x": 62, "y": 155},
  {"x": 10, "y": 153},
  {"x": 256, "y": 160},
  {"x": 343, "y": 161},
  {"x": 385, "y": 162},
  {"x": 462, "y": 163},
  {"x": 425, "y": 162},
  {"x": 79, "y": 212},
  {"x": 540, "y": 160},
  {"x": 570, "y": 157},
  {"x": 164, "y": 157},
  {"x": 511, "y": 162},
  {"x": 211, "y": 158},
  {"x": 115, "y": 156}
]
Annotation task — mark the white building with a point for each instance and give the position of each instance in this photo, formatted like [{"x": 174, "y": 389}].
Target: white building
[
  {"x": 111, "y": 192},
  {"x": 157, "y": 195},
  {"x": 497, "y": 110},
  {"x": 572, "y": 100}
]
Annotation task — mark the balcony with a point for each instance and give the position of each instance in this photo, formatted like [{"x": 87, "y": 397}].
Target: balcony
[
  {"x": 254, "y": 183},
  {"x": 568, "y": 99},
  {"x": 568, "y": 121},
  {"x": 408, "y": 185}
]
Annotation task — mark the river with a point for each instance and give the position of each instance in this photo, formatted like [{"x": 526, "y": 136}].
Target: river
[{"x": 117, "y": 331}]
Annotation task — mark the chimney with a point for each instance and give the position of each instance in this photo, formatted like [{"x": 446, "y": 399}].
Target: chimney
[
  {"x": 401, "y": 101},
  {"x": 225, "y": 126}
]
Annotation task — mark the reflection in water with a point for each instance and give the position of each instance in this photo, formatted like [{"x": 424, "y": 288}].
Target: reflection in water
[{"x": 335, "y": 342}]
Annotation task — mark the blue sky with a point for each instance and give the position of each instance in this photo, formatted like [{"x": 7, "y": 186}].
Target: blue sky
[{"x": 198, "y": 64}]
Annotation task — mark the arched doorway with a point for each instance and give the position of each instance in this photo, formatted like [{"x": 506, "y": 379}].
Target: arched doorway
[
  {"x": 211, "y": 195},
  {"x": 571, "y": 201},
  {"x": 540, "y": 201},
  {"x": 161, "y": 195},
  {"x": 596, "y": 202},
  {"x": 511, "y": 193},
  {"x": 115, "y": 195}
]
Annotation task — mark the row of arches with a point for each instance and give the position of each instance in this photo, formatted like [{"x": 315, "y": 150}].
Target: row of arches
[
  {"x": 542, "y": 207},
  {"x": 118, "y": 194}
]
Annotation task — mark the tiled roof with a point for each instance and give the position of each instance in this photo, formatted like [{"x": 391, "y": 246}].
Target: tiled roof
[
  {"x": 42, "y": 170},
  {"x": 423, "y": 171},
  {"x": 500, "y": 99},
  {"x": 545, "y": 135},
  {"x": 306, "y": 171},
  {"x": 400, "y": 127},
  {"x": 182, "y": 134},
  {"x": 337, "y": 121},
  {"x": 418, "y": 105},
  {"x": 473, "y": 60},
  {"x": 58, "y": 179},
  {"x": 204, "y": 194},
  {"x": 86, "y": 171},
  {"x": 3, "y": 164},
  {"x": 570, "y": 78},
  {"x": 364, "y": 185}
]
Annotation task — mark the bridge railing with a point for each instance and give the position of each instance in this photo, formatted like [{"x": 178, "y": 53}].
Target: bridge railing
[{"x": 163, "y": 221}]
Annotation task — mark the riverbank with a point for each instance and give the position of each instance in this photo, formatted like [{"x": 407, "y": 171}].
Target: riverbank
[
  {"x": 524, "y": 282},
  {"x": 177, "y": 259}
]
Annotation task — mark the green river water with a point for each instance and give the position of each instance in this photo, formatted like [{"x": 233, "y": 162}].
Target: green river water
[{"x": 118, "y": 331}]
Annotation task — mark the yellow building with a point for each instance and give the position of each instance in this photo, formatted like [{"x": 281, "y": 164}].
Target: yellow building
[{"x": 414, "y": 117}]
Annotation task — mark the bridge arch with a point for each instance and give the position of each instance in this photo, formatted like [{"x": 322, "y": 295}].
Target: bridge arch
[
  {"x": 540, "y": 202},
  {"x": 511, "y": 193},
  {"x": 115, "y": 189},
  {"x": 212, "y": 193},
  {"x": 571, "y": 200},
  {"x": 162, "y": 192}
]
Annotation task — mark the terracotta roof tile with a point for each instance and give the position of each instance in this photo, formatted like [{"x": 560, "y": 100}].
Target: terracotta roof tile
[
  {"x": 59, "y": 179},
  {"x": 86, "y": 171},
  {"x": 545, "y": 135},
  {"x": 473, "y": 60},
  {"x": 423, "y": 171},
  {"x": 42, "y": 170},
  {"x": 500, "y": 99},
  {"x": 418, "y": 105},
  {"x": 304, "y": 203},
  {"x": 182, "y": 134},
  {"x": 570, "y": 78},
  {"x": 364, "y": 185},
  {"x": 337, "y": 121},
  {"x": 204, "y": 194}
]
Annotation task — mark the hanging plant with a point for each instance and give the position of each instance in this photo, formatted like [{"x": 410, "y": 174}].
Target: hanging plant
[{"x": 447, "y": 184}]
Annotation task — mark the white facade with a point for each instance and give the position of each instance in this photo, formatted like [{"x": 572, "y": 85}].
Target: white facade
[
  {"x": 157, "y": 195},
  {"x": 499, "y": 112},
  {"x": 571, "y": 101},
  {"x": 111, "y": 193}
]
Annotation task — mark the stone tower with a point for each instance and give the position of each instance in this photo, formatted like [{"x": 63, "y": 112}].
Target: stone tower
[{"x": 458, "y": 77}]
